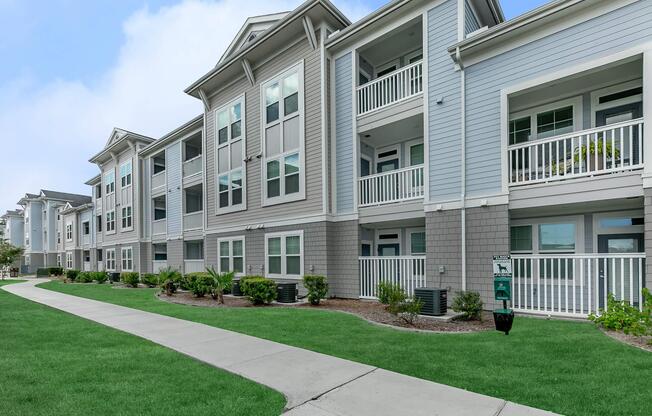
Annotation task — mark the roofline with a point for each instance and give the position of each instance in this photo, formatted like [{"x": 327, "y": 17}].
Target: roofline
[
  {"x": 126, "y": 137},
  {"x": 504, "y": 28},
  {"x": 168, "y": 136},
  {"x": 93, "y": 180},
  {"x": 294, "y": 14},
  {"x": 496, "y": 10},
  {"x": 79, "y": 208}
]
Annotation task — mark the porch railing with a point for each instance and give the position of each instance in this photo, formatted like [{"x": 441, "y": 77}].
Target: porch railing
[
  {"x": 396, "y": 86},
  {"x": 158, "y": 180},
  {"x": 193, "y": 221},
  {"x": 407, "y": 271},
  {"x": 158, "y": 265},
  {"x": 396, "y": 186},
  {"x": 159, "y": 227},
  {"x": 575, "y": 284},
  {"x": 613, "y": 148},
  {"x": 193, "y": 266},
  {"x": 192, "y": 166}
]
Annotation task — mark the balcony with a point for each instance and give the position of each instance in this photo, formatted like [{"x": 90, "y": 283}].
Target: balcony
[
  {"x": 159, "y": 227},
  {"x": 158, "y": 180},
  {"x": 193, "y": 266},
  {"x": 389, "y": 187},
  {"x": 158, "y": 265},
  {"x": 604, "y": 150},
  {"x": 392, "y": 88},
  {"x": 193, "y": 221},
  {"x": 409, "y": 272},
  {"x": 192, "y": 167}
]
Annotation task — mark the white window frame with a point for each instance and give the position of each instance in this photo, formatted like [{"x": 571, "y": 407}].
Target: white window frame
[
  {"x": 109, "y": 230},
  {"x": 243, "y": 138},
  {"x": 283, "y": 235},
  {"x": 69, "y": 231},
  {"x": 414, "y": 53},
  {"x": 595, "y": 97},
  {"x": 127, "y": 261},
  {"x": 128, "y": 176},
  {"x": 399, "y": 240},
  {"x": 59, "y": 260},
  {"x": 109, "y": 183},
  {"x": 230, "y": 240},
  {"x": 394, "y": 62},
  {"x": 408, "y": 154},
  {"x": 631, "y": 229},
  {"x": 578, "y": 220},
  {"x": 378, "y": 159},
  {"x": 575, "y": 102},
  {"x": 371, "y": 165},
  {"x": 84, "y": 229},
  {"x": 283, "y": 198},
  {"x": 408, "y": 242},
  {"x": 69, "y": 260},
  {"x": 109, "y": 259},
  {"x": 124, "y": 216}
]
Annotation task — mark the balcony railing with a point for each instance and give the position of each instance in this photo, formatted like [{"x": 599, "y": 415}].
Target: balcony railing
[
  {"x": 158, "y": 265},
  {"x": 193, "y": 266},
  {"x": 407, "y": 271},
  {"x": 193, "y": 220},
  {"x": 394, "y": 87},
  {"x": 159, "y": 227},
  {"x": 192, "y": 166},
  {"x": 395, "y": 186},
  {"x": 158, "y": 180},
  {"x": 602, "y": 150},
  {"x": 575, "y": 284}
]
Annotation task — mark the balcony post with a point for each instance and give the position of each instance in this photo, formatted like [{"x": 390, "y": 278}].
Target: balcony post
[{"x": 647, "y": 117}]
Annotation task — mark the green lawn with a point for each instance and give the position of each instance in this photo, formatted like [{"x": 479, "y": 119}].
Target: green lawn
[
  {"x": 566, "y": 367},
  {"x": 53, "y": 363}
]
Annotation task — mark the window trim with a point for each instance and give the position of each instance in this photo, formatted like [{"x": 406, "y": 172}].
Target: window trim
[
  {"x": 578, "y": 220},
  {"x": 283, "y": 235},
  {"x": 243, "y": 129},
  {"x": 110, "y": 173},
  {"x": 69, "y": 231},
  {"x": 301, "y": 195},
  {"x": 84, "y": 228},
  {"x": 408, "y": 243},
  {"x": 109, "y": 230},
  {"x": 69, "y": 260},
  {"x": 613, "y": 89},
  {"x": 130, "y": 258},
  {"x": 123, "y": 216},
  {"x": 230, "y": 240},
  {"x": 109, "y": 260},
  {"x": 578, "y": 120},
  {"x": 129, "y": 175},
  {"x": 399, "y": 240}
]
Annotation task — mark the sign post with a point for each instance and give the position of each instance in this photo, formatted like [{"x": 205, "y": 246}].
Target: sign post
[{"x": 502, "y": 268}]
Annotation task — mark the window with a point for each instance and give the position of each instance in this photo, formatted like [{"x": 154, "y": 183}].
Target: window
[
  {"x": 230, "y": 155},
  {"x": 59, "y": 264},
  {"x": 549, "y": 120},
  {"x": 110, "y": 259},
  {"x": 557, "y": 237},
  {"x": 283, "y": 137},
  {"x": 87, "y": 256},
  {"x": 160, "y": 210},
  {"x": 519, "y": 130},
  {"x": 99, "y": 254},
  {"x": 284, "y": 254},
  {"x": 160, "y": 252},
  {"x": 127, "y": 257},
  {"x": 192, "y": 148},
  {"x": 86, "y": 226},
  {"x": 194, "y": 250},
  {"x": 98, "y": 191},
  {"x": 69, "y": 262},
  {"x": 620, "y": 222},
  {"x": 418, "y": 242},
  {"x": 194, "y": 199},
  {"x": 125, "y": 174},
  {"x": 159, "y": 163},
  {"x": 521, "y": 238},
  {"x": 555, "y": 122},
  {"x": 231, "y": 255},
  {"x": 58, "y": 237},
  {"x": 68, "y": 232},
  {"x": 126, "y": 217},
  {"x": 99, "y": 223},
  {"x": 109, "y": 183},
  {"x": 110, "y": 221}
]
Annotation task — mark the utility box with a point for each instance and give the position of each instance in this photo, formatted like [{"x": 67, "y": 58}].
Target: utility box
[
  {"x": 434, "y": 300},
  {"x": 286, "y": 292},
  {"x": 503, "y": 288}
]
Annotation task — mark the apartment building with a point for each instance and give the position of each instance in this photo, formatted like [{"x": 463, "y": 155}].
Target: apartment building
[
  {"x": 75, "y": 241},
  {"x": 13, "y": 230}
]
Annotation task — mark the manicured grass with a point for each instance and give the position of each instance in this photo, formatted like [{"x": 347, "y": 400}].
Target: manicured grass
[
  {"x": 53, "y": 363},
  {"x": 566, "y": 367}
]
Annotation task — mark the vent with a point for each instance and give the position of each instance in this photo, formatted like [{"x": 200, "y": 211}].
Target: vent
[
  {"x": 434, "y": 300},
  {"x": 286, "y": 292}
]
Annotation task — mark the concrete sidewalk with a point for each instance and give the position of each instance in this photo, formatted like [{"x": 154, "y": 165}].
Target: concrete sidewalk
[{"x": 314, "y": 384}]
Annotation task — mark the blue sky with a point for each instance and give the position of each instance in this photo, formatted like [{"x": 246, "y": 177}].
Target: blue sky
[{"x": 73, "y": 69}]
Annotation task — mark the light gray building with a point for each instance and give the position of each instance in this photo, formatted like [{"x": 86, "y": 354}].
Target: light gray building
[{"x": 13, "y": 230}]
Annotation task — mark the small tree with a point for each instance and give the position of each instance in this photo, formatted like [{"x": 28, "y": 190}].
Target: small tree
[
  {"x": 221, "y": 282},
  {"x": 8, "y": 255}
]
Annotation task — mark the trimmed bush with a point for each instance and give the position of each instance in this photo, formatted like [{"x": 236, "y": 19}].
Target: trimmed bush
[
  {"x": 149, "y": 279},
  {"x": 42, "y": 272},
  {"x": 469, "y": 304},
  {"x": 621, "y": 316},
  {"x": 85, "y": 277},
  {"x": 169, "y": 280},
  {"x": 389, "y": 293},
  {"x": 259, "y": 290},
  {"x": 199, "y": 283},
  {"x": 130, "y": 278},
  {"x": 317, "y": 288},
  {"x": 71, "y": 274},
  {"x": 100, "y": 277},
  {"x": 56, "y": 271}
]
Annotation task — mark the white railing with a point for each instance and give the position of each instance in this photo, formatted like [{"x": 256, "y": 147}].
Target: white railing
[
  {"x": 158, "y": 265},
  {"x": 193, "y": 221},
  {"x": 398, "y": 185},
  {"x": 407, "y": 271},
  {"x": 192, "y": 166},
  {"x": 158, "y": 180},
  {"x": 100, "y": 266},
  {"x": 193, "y": 266},
  {"x": 396, "y": 86},
  {"x": 614, "y": 148},
  {"x": 87, "y": 266},
  {"x": 159, "y": 227},
  {"x": 575, "y": 284}
]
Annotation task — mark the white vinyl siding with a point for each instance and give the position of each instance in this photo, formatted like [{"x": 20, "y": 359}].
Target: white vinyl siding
[
  {"x": 284, "y": 254},
  {"x": 231, "y": 255},
  {"x": 231, "y": 150}
]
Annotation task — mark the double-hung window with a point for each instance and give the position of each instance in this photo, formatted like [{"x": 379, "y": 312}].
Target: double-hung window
[
  {"x": 110, "y": 221},
  {"x": 110, "y": 259},
  {"x": 127, "y": 257},
  {"x": 125, "y": 174},
  {"x": 126, "y": 217},
  {"x": 109, "y": 183},
  {"x": 69, "y": 263},
  {"x": 284, "y": 254},
  {"x": 283, "y": 146},
  {"x": 231, "y": 254},
  {"x": 230, "y": 127},
  {"x": 68, "y": 232}
]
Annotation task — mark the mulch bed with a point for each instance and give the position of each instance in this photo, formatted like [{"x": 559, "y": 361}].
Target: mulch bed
[
  {"x": 372, "y": 311},
  {"x": 644, "y": 343}
]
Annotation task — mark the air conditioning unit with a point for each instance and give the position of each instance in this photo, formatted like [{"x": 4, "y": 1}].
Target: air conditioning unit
[
  {"x": 286, "y": 292},
  {"x": 434, "y": 300}
]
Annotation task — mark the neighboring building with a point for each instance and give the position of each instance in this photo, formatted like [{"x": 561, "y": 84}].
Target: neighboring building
[
  {"x": 13, "y": 229},
  {"x": 77, "y": 237}
]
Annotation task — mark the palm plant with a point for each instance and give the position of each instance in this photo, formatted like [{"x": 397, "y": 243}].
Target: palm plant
[
  {"x": 220, "y": 283},
  {"x": 168, "y": 279}
]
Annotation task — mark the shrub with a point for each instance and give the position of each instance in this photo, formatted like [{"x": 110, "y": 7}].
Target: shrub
[
  {"x": 169, "y": 280},
  {"x": 220, "y": 282},
  {"x": 317, "y": 288},
  {"x": 408, "y": 309},
  {"x": 71, "y": 274},
  {"x": 100, "y": 277},
  {"x": 621, "y": 316},
  {"x": 56, "y": 271},
  {"x": 84, "y": 277},
  {"x": 389, "y": 293},
  {"x": 149, "y": 279},
  {"x": 130, "y": 278},
  {"x": 259, "y": 290},
  {"x": 469, "y": 304},
  {"x": 199, "y": 283}
]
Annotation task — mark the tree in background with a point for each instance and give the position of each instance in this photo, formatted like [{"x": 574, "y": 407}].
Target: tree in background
[{"x": 8, "y": 255}]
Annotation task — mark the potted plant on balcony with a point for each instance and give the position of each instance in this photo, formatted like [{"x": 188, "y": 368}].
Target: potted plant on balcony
[{"x": 581, "y": 153}]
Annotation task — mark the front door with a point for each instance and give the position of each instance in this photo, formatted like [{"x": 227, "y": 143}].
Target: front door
[
  {"x": 621, "y": 114},
  {"x": 612, "y": 270}
]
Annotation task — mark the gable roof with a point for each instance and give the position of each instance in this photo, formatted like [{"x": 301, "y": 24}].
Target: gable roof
[
  {"x": 74, "y": 199},
  {"x": 116, "y": 143},
  {"x": 254, "y": 25}
]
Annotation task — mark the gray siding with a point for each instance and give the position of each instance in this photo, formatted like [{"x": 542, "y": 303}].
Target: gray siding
[
  {"x": 343, "y": 239},
  {"x": 648, "y": 238},
  {"x": 255, "y": 212},
  {"x": 36, "y": 226},
  {"x": 175, "y": 254},
  {"x": 470, "y": 22},
  {"x": 344, "y": 137},
  {"x": 444, "y": 120},
  {"x": 601, "y": 36},
  {"x": 174, "y": 195}
]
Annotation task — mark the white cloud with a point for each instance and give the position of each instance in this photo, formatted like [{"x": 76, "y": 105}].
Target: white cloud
[{"x": 49, "y": 133}]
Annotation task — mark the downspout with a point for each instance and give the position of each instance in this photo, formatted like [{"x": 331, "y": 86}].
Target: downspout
[{"x": 462, "y": 162}]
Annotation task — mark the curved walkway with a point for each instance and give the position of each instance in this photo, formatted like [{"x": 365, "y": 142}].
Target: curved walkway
[{"x": 314, "y": 384}]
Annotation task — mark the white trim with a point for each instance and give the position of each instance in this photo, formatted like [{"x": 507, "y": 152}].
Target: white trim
[
  {"x": 396, "y": 63},
  {"x": 388, "y": 148},
  {"x": 575, "y": 102},
  {"x": 632, "y": 229},
  {"x": 408, "y": 241},
  {"x": 595, "y": 97},
  {"x": 283, "y": 235},
  {"x": 109, "y": 260},
  {"x": 129, "y": 227},
  {"x": 398, "y": 240},
  {"x": 408, "y": 156},
  {"x": 354, "y": 127},
  {"x": 577, "y": 220},
  {"x": 647, "y": 114},
  {"x": 324, "y": 119},
  {"x": 230, "y": 240},
  {"x": 129, "y": 258},
  {"x": 130, "y": 173},
  {"x": 370, "y": 243},
  {"x": 426, "y": 106},
  {"x": 106, "y": 222},
  {"x": 243, "y": 133},
  {"x": 371, "y": 165}
]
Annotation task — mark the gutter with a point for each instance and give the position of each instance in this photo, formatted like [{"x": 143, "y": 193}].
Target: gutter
[{"x": 463, "y": 167}]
